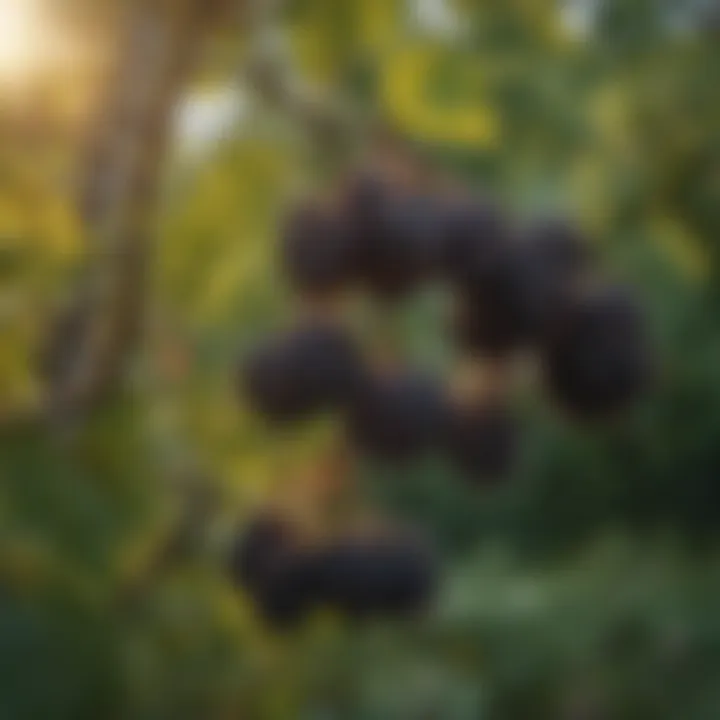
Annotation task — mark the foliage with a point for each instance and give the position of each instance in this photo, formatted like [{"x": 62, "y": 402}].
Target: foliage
[{"x": 546, "y": 613}]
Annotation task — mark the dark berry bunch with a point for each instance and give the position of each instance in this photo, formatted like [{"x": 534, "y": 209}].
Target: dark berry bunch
[
  {"x": 533, "y": 288},
  {"x": 521, "y": 291},
  {"x": 359, "y": 576},
  {"x": 512, "y": 294}
]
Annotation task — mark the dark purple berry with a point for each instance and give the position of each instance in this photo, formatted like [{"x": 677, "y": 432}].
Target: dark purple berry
[
  {"x": 290, "y": 588},
  {"x": 312, "y": 369},
  {"x": 495, "y": 316},
  {"x": 397, "y": 415},
  {"x": 521, "y": 289},
  {"x": 600, "y": 360},
  {"x": 554, "y": 258},
  {"x": 473, "y": 231},
  {"x": 280, "y": 575},
  {"x": 378, "y": 577},
  {"x": 396, "y": 236}
]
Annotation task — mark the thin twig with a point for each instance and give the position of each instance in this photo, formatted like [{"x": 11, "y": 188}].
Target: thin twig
[{"x": 269, "y": 70}]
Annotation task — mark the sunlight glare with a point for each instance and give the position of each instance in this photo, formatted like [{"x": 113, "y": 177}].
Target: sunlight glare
[{"x": 20, "y": 41}]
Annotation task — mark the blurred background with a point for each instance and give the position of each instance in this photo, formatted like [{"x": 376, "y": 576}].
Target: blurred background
[{"x": 148, "y": 150}]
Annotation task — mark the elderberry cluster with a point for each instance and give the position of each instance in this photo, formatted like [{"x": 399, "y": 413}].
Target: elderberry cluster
[
  {"x": 392, "y": 414},
  {"x": 360, "y": 576},
  {"x": 532, "y": 288},
  {"x": 535, "y": 289}
]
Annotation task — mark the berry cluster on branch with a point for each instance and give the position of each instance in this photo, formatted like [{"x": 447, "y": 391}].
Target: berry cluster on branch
[{"x": 532, "y": 290}]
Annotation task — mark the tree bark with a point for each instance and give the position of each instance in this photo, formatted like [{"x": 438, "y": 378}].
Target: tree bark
[{"x": 119, "y": 185}]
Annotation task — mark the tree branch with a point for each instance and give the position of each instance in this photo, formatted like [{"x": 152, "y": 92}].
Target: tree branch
[{"x": 269, "y": 71}]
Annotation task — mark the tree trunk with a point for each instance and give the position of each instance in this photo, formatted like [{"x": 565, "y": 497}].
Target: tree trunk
[{"x": 118, "y": 192}]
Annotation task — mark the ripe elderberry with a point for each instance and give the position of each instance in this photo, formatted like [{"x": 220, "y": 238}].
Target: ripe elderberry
[
  {"x": 473, "y": 232},
  {"x": 382, "y": 576},
  {"x": 397, "y": 415},
  {"x": 600, "y": 359},
  {"x": 396, "y": 236},
  {"x": 312, "y": 369}
]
